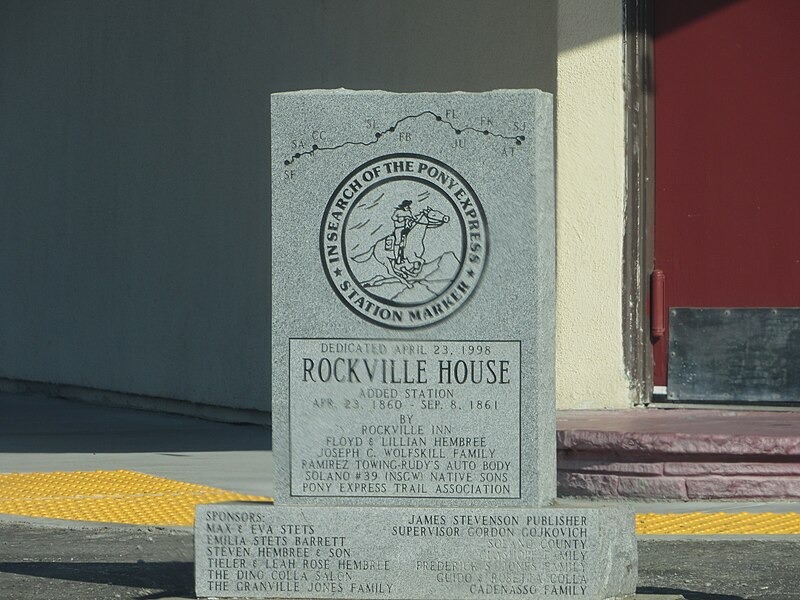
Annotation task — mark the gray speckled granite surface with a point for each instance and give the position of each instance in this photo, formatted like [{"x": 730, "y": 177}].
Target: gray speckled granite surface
[
  {"x": 257, "y": 550},
  {"x": 413, "y": 317},
  {"x": 460, "y": 327}
]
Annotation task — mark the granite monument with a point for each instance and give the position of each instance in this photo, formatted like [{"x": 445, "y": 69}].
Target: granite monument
[{"x": 413, "y": 318}]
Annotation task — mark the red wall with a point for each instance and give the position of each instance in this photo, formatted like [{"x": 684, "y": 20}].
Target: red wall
[{"x": 727, "y": 118}]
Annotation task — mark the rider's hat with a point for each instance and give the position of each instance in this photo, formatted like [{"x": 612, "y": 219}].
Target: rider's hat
[{"x": 404, "y": 204}]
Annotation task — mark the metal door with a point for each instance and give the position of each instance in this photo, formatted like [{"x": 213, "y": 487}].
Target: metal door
[{"x": 727, "y": 149}]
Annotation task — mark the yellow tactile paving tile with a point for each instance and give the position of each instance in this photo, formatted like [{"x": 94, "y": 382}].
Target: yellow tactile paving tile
[
  {"x": 718, "y": 523},
  {"x": 140, "y": 499},
  {"x": 108, "y": 496}
]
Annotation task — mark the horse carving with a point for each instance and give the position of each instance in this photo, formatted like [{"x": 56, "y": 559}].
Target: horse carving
[{"x": 383, "y": 251}]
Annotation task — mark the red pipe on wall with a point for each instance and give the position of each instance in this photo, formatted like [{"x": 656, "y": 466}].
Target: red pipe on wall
[{"x": 657, "y": 325}]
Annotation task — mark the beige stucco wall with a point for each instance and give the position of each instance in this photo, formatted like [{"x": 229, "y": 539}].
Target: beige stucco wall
[{"x": 590, "y": 183}]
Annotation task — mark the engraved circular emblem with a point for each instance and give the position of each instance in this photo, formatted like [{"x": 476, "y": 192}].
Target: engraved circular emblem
[{"x": 404, "y": 241}]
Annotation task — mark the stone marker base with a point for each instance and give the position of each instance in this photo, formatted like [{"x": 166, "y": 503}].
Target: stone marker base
[{"x": 253, "y": 550}]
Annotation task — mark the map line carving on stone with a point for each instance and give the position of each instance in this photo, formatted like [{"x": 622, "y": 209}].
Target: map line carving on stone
[{"x": 518, "y": 139}]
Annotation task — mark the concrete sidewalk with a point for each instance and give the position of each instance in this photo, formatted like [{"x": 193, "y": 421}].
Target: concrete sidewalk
[
  {"x": 43, "y": 559},
  {"x": 39, "y": 434}
]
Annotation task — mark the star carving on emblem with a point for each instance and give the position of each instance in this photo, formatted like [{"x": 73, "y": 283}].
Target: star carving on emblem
[
  {"x": 337, "y": 271},
  {"x": 471, "y": 273}
]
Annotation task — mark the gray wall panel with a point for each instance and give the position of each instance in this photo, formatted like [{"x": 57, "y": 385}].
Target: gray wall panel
[{"x": 134, "y": 168}]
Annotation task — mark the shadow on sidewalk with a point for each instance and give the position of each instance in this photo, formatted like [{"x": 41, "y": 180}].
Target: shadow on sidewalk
[
  {"x": 689, "y": 595},
  {"x": 154, "y": 579},
  {"x": 37, "y": 424}
]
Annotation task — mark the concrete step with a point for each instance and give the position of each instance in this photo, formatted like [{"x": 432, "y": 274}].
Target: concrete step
[{"x": 679, "y": 454}]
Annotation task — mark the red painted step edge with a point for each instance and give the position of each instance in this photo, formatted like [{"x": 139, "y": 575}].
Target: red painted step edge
[{"x": 679, "y": 454}]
